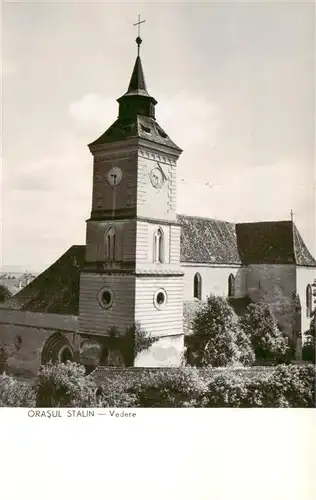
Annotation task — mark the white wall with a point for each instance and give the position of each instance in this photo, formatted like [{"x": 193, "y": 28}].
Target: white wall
[
  {"x": 214, "y": 280},
  {"x": 167, "y": 351},
  {"x": 304, "y": 276}
]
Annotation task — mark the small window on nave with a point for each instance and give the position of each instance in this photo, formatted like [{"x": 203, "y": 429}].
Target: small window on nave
[
  {"x": 309, "y": 301},
  {"x": 197, "y": 286},
  {"x": 231, "y": 286},
  {"x": 158, "y": 246}
]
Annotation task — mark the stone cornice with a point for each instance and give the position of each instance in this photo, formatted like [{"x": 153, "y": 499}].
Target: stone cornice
[
  {"x": 130, "y": 147},
  {"x": 134, "y": 272},
  {"x": 121, "y": 215}
]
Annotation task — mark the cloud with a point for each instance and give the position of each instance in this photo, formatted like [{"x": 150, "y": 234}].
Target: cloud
[{"x": 92, "y": 109}]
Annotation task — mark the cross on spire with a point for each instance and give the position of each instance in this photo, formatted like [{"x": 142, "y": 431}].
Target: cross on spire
[{"x": 138, "y": 39}]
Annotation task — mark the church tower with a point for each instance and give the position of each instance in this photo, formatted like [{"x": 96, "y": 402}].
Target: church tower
[{"x": 132, "y": 270}]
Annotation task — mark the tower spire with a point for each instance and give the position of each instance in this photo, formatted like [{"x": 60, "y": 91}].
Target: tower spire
[{"x": 137, "y": 101}]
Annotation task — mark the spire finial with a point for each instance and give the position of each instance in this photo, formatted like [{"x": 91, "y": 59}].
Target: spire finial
[{"x": 138, "y": 39}]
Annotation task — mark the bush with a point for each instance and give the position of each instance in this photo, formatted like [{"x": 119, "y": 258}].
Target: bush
[
  {"x": 169, "y": 388},
  {"x": 64, "y": 385},
  {"x": 118, "y": 397},
  {"x": 267, "y": 341},
  {"x": 135, "y": 341},
  {"x": 217, "y": 338},
  {"x": 291, "y": 386},
  {"x": 16, "y": 393}
]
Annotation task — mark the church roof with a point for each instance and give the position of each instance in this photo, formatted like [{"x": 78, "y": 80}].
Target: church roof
[
  {"x": 275, "y": 242},
  {"x": 143, "y": 127},
  {"x": 208, "y": 241},
  {"x": 56, "y": 290}
]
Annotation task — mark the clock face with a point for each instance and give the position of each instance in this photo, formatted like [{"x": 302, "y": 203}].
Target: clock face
[
  {"x": 114, "y": 176},
  {"x": 156, "y": 178}
]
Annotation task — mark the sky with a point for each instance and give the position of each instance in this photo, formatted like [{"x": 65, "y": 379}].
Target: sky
[{"x": 234, "y": 83}]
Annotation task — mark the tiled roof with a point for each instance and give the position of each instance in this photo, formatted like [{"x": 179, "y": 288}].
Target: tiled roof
[
  {"x": 208, "y": 241},
  {"x": 276, "y": 242},
  {"x": 56, "y": 290},
  {"x": 137, "y": 81},
  {"x": 143, "y": 127},
  {"x": 302, "y": 255}
]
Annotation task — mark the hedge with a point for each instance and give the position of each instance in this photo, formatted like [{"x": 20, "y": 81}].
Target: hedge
[{"x": 286, "y": 386}]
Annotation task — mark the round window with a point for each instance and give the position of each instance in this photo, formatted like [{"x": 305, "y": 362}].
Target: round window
[
  {"x": 160, "y": 298},
  {"x": 106, "y": 298}
]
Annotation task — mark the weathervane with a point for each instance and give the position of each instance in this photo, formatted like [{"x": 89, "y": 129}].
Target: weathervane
[{"x": 138, "y": 39}]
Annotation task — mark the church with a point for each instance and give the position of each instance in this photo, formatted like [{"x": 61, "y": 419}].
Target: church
[{"x": 144, "y": 263}]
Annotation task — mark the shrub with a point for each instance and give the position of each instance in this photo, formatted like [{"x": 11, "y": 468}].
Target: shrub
[
  {"x": 217, "y": 338},
  {"x": 135, "y": 341},
  {"x": 118, "y": 397},
  {"x": 170, "y": 388},
  {"x": 288, "y": 386},
  {"x": 16, "y": 393},
  {"x": 267, "y": 341},
  {"x": 64, "y": 385}
]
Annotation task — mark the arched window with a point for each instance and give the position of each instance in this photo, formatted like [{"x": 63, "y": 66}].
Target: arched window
[
  {"x": 110, "y": 244},
  {"x": 158, "y": 246},
  {"x": 197, "y": 286},
  {"x": 309, "y": 301},
  {"x": 231, "y": 286}
]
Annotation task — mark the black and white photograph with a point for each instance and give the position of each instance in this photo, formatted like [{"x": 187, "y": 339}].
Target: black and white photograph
[{"x": 158, "y": 206}]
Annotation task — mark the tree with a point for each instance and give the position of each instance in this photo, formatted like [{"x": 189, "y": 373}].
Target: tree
[
  {"x": 260, "y": 325},
  {"x": 217, "y": 338},
  {"x": 5, "y": 293}
]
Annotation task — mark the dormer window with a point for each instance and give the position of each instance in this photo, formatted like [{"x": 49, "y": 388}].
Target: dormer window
[
  {"x": 158, "y": 246},
  {"x": 161, "y": 133},
  {"x": 145, "y": 129}
]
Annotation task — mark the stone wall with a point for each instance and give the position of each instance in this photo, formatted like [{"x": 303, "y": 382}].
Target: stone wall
[{"x": 35, "y": 331}]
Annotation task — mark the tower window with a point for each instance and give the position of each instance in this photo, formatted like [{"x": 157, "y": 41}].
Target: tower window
[
  {"x": 106, "y": 298},
  {"x": 160, "y": 298},
  {"x": 110, "y": 244},
  {"x": 231, "y": 286},
  {"x": 158, "y": 246},
  {"x": 197, "y": 286},
  {"x": 309, "y": 301}
]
